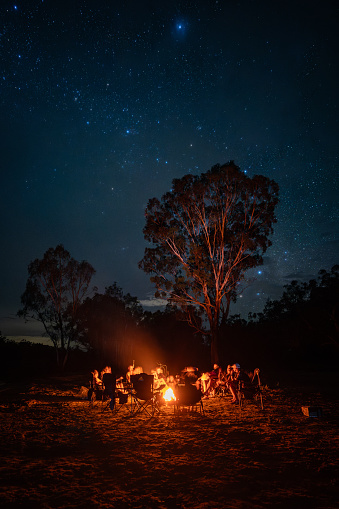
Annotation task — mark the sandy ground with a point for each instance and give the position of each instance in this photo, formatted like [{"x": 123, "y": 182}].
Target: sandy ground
[{"x": 59, "y": 452}]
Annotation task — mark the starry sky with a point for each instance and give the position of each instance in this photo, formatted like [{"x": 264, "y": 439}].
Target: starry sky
[{"x": 104, "y": 102}]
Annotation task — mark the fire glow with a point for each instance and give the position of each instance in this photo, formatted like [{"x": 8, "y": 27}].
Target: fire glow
[{"x": 169, "y": 395}]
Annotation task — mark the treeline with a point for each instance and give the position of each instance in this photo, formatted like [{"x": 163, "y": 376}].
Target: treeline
[
  {"x": 21, "y": 360},
  {"x": 117, "y": 330},
  {"x": 298, "y": 331},
  {"x": 111, "y": 334}
]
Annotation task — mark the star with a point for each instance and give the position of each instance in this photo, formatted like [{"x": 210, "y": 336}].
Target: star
[{"x": 135, "y": 102}]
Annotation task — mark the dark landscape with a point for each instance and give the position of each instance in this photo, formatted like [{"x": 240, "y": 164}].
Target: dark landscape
[
  {"x": 59, "y": 452},
  {"x": 169, "y": 207}
]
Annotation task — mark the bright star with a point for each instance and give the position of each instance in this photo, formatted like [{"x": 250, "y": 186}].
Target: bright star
[{"x": 180, "y": 29}]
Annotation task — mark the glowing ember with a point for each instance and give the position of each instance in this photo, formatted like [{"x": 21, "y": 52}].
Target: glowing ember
[{"x": 169, "y": 395}]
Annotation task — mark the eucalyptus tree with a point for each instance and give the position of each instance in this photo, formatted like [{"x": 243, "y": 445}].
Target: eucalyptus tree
[
  {"x": 204, "y": 234},
  {"x": 56, "y": 286}
]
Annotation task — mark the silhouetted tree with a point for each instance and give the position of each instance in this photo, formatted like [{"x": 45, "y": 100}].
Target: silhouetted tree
[
  {"x": 107, "y": 322},
  {"x": 309, "y": 311},
  {"x": 207, "y": 232},
  {"x": 56, "y": 286},
  {"x": 290, "y": 303},
  {"x": 324, "y": 298}
]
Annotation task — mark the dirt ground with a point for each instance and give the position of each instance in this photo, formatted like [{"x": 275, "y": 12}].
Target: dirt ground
[{"x": 58, "y": 452}]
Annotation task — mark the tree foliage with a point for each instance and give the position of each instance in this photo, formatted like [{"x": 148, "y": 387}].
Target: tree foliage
[
  {"x": 312, "y": 306},
  {"x": 56, "y": 286},
  {"x": 106, "y": 322},
  {"x": 206, "y": 232}
]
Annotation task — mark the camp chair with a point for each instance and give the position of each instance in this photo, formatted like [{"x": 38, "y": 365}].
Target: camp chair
[
  {"x": 250, "y": 390},
  {"x": 142, "y": 395},
  {"x": 188, "y": 396},
  {"x": 221, "y": 390},
  {"x": 121, "y": 400},
  {"x": 109, "y": 385},
  {"x": 95, "y": 393},
  {"x": 122, "y": 395}
]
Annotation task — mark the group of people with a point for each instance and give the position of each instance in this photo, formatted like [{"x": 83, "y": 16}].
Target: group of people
[
  {"x": 103, "y": 384},
  {"x": 218, "y": 380},
  {"x": 210, "y": 383}
]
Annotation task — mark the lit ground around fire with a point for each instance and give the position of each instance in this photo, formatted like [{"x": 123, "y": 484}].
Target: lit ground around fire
[{"x": 58, "y": 452}]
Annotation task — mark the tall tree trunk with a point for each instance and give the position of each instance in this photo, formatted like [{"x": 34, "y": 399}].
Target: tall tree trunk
[{"x": 214, "y": 345}]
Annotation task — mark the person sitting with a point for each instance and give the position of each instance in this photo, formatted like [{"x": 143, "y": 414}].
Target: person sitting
[
  {"x": 238, "y": 375},
  {"x": 130, "y": 370},
  {"x": 189, "y": 394},
  {"x": 205, "y": 383},
  {"x": 229, "y": 374},
  {"x": 214, "y": 378},
  {"x": 138, "y": 370},
  {"x": 215, "y": 373},
  {"x": 246, "y": 385},
  {"x": 120, "y": 383},
  {"x": 97, "y": 382},
  {"x": 160, "y": 372},
  {"x": 159, "y": 381},
  {"x": 233, "y": 375},
  {"x": 171, "y": 382},
  {"x": 109, "y": 383},
  {"x": 107, "y": 369},
  {"x": 190, "y": 373},
  {"x": 210, "y": 381},
  {"x": 95, "y": 390}
]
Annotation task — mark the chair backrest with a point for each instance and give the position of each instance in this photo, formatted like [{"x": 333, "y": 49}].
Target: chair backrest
[
  {"x": 249, "y": 386},
  {"x": 243, "y": 380},
  {"x": 143, "y": 385},
  {"x": 189, "y": 395},
  {"x": 92, "y": 382},
  {"x": 109, "y": 381}
]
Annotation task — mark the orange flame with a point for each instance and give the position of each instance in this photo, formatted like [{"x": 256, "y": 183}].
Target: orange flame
[{"x": 169, "y": 395}]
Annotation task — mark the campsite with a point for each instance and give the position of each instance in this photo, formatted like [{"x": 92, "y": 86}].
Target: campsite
[{"x": 59, "y": 451}]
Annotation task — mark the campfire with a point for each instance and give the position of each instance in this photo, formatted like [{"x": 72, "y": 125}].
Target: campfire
[{"x": 169, "y": 395}]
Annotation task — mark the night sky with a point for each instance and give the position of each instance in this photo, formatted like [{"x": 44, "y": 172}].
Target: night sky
[{"x": 104, "y": 102}]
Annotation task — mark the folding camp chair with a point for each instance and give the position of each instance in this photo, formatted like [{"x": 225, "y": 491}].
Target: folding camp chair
[
  {"x": 221, "y": 390},
  {"x": 250, "y": 390},
  {"x": 109, "y": 385},
  {"x": 95, "y": 392},
  {"x": 121, "y": 400},
  {"x": 143, "y": 398},
  {"x": 188, "y": 396}
]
